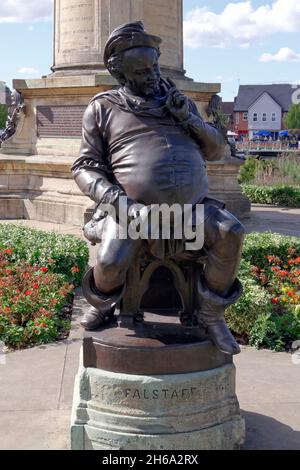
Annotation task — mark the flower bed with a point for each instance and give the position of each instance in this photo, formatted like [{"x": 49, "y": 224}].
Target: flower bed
[
  {"x": 268, "y": 314},
  {"x": 38, "y": 273}
]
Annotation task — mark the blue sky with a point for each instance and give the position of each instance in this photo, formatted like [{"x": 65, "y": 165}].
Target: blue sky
[{"x": 233, "y": 42}]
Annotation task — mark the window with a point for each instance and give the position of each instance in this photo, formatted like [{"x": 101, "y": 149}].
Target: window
[
  {"x": 264, "y": 117},
  {"x": 273, "y": 117},
  {"x": 245, "y": 116},
  {"x": 255, "y": 117},
  {"x": 237, "y": 118}
]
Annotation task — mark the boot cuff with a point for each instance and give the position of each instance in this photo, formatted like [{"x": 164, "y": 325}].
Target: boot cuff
[
  {"x": 209, "y": 297},
  {"x": 100, "y": 301}
]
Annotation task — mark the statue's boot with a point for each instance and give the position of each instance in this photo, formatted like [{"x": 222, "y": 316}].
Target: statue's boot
[
  {"x": 211, "y": 314},
  {"x": 102, "y": 305}
]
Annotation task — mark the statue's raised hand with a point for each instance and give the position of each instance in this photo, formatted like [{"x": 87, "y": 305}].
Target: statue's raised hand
[{"x": 177, "y": 103}]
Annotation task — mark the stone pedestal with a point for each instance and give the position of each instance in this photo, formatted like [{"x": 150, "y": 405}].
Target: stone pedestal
[
  {"x": 54, "y": 107},
  {"x": 49, "y": 135},
  {"x": 40, "y": 188},
  {"x": 223, "y": 185},
  {"x": 187, "y": 402},
  {"x": 82, "y": 29}
]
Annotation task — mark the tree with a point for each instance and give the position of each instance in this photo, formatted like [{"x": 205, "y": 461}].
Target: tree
[
  {"x": 3, "y": 115},
  {"x": 292, "y": 120}
]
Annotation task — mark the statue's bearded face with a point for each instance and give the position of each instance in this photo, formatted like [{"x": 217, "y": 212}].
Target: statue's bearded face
[{"x": 141, "y": 71}]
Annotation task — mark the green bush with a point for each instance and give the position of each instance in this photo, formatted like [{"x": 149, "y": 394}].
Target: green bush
[
  {"x": 265, "y": 316},
  {"x": 257, "y": 246},
  {"x": 242, "y": 316},
  {"x": 248, "y": 170},
  {"x": 62, "y": 254},
  {"x": 287, "y": 196},
  {"x": 275, "y": 331}
]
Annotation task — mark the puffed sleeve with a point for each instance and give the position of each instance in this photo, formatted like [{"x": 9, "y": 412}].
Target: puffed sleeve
[
  {"x": 210, "y": 138},
  {"x": 91, "y": 170}
]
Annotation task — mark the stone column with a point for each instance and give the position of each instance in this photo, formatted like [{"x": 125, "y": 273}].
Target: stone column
[{"x": 82, "y": 28}]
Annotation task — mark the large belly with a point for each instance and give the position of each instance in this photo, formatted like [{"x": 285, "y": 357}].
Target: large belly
[{"x": 158, "y": 168}]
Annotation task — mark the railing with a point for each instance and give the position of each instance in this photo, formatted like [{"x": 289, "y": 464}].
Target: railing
[{"x": 267, "y": 146}]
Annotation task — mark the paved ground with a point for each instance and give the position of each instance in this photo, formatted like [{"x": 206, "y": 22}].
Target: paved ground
[{"x": 37, "y": 384}]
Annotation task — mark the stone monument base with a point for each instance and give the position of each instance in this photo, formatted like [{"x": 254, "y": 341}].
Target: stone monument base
[
  {"x": 35, "y": 163},
  {"x": 193, "y": 407}
]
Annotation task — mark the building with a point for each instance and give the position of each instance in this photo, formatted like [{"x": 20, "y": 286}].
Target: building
[
  {"x": 227, "y": 108},
  {"x": 261, "y": 108}
]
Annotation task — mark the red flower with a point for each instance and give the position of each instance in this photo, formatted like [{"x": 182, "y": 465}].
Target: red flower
[
  {"x": 28, "y": 292},
  {"x": 26, "y": 275},
  {"x": 7, "y": 309},
  {"x": 8, "y": 251},
  {"x": 283, "y": 273},
  {"x": 275, "y": 268},
  {"x": 290, "y": 293},
  {"x": 8, "y": 271},
  {"x": 275, "y": 300},
  {"x": 75, "y": 269},
  {"x": 36, "y": 286},
  {"x": 44, "y": 269},
  {"x": 36, "y": 323}
]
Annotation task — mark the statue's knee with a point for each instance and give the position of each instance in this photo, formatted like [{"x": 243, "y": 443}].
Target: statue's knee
[
  {"x": 232, "y": 229},
  {"x": 109, "y": 269}
]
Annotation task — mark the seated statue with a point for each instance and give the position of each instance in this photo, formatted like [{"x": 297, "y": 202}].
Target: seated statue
[{"x": 146, "y": 143}]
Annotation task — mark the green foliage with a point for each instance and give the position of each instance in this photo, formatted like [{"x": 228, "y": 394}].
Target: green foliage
[
  {"x": 287, "y": 196},
  {"x": 292, "y": 119},
  {"x": 224, "y": 118},
  {"x": 254, "y": 169},
  {"x": 242, "y": 316},
  {"x": 62, "y": 254},
  {"x": 248, "y": 170},
  {"x": 3, "y": 115},
  {"x": 275, "y": 331},
  {"x": 289, "y": 168},
  {"x": 282, "y": 171},
  {"x": 268, "y": 313},
  {"x": 258, "y": 246}
]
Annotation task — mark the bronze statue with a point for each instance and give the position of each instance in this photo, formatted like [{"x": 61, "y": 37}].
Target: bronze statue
[
  {"x": 148, "y": 142},
  {"x": 12, "y": 121}
]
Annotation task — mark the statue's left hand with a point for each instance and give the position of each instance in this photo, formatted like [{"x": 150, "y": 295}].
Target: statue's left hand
[{"x": 178, "y": 104}]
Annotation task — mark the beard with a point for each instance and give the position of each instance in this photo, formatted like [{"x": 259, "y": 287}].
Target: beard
[{"x": 147, "y": 90}]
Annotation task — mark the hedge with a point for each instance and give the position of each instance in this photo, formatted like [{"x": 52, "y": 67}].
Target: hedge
[{"x": 287, "y": 196}]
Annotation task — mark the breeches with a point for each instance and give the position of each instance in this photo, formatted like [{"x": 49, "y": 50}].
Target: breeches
[{"x": 223, "y": 239}]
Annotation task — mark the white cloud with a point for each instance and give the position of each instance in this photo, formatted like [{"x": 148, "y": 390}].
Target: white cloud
[
  {"x": 285, "y": 54},
  {"x": 19, "y": 11},
  {"x": 240, "y": 23},
  {"x": 28, "y": 71},
  {"x": 221, "y": 78}
]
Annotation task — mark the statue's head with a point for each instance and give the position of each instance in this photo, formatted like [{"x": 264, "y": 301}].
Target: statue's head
[{"x": 131, "y": 55}]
